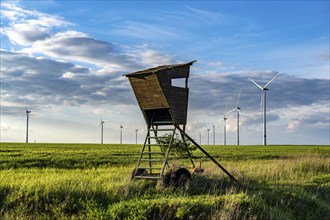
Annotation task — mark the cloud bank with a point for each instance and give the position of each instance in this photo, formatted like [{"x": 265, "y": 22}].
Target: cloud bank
[{"x": 53, "y": 65}]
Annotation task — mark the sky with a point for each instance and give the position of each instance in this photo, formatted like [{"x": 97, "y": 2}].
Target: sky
[{"x": 64, "y": 61}]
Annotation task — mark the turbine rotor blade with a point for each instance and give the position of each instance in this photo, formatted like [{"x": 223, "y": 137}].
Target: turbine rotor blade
[
  {"x": 239, "y": 112},
  {"x": 231, "y": 111},
  {"x": 256, "y": 83},
  {"x": 271, "y": 80},
  {"x": 239, "y": 94}
]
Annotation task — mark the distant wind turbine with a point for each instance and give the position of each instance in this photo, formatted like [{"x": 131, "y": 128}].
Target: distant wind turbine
[
  {"x": 263, "y": 103},
  {"x": 237, "y": 109},
  {"x": 121, "y": 133},
  {"x": 224, "y": 129},
  {"x": 208, "y": 136},
  {"x": 27, "y": 125},
  {"x": 136, "y": 132},
  {"x": 101, "y": 123}
]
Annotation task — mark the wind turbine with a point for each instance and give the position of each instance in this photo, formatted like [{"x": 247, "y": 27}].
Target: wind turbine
[
  {"x": 121, "y": 133},
  {"x": 27, "y": 124},
  {"x": 225, "y": 126},
  {"x": 208, "y": 136},
  {"x": 101, "y": 123},
  {"x": 263, "y": 102},
  {"x": 136, "y": 131},
  {"x": 237, "y": 109},
  {"x": 224, "y": 129}
]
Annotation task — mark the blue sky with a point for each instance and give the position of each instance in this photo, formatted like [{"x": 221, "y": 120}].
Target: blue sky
[{"x": 64, "y": 61}]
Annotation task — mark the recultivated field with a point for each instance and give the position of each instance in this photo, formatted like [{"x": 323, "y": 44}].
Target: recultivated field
[{"x": 91, "y": 181}]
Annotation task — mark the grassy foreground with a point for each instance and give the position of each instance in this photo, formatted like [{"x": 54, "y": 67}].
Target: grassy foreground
[{"x": 86, "y": 181}]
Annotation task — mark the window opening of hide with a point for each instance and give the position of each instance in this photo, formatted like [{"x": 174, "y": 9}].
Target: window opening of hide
[{"x": 179, "y": 82}]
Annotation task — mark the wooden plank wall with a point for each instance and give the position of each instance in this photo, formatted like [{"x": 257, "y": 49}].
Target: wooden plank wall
[
  {"x": 177, "y": 98},
  {"x": 179, "y": 72},
  {"x": 148, "y": 92}
]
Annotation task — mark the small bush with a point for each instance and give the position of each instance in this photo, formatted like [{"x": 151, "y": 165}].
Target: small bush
[{"x": 179, "y": 146}]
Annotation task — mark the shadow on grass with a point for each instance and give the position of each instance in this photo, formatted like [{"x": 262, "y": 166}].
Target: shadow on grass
[
  {"x": 251, "y": 199},
  {"x": 4, "y": 191},
  {"x": 290, "y": 201},
  {"x": 270, "y": 201},
  {"x": 201, "y": 184}
]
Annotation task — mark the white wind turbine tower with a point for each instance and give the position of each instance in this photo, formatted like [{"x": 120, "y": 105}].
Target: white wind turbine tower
[
  {"x": 136, "y": 134},
  {"x": 101, "y": 123},
  {"x": 224, "y": 129},
  {"x": 27, "y": 125},
  {"x": 121, "y": 133},
  {"x": 263, "y": 102},
  {"x": 237, "y": 109}
]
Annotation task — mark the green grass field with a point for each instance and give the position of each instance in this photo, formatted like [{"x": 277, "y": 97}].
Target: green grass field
[{"x": 91, "y": 181}]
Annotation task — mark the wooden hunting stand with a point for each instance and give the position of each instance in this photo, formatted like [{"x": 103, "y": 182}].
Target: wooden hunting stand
[{"x": 164, "y": 107}]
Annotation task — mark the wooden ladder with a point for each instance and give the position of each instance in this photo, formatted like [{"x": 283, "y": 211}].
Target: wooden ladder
[{"x": 154, "y": 155}]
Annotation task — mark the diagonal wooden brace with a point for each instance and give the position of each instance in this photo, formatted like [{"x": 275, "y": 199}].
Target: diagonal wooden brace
[{"x": 208, "y": 155}]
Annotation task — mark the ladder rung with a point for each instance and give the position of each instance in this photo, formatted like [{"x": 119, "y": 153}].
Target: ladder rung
[
  {"x": 151, "y": 168},
  {"x": 152, "y": 160},
  {"x": 147, "y": 152},
  {"x": 148, "y": 177},
  {"x": 162, "y": 122},
  {"x": 156, "y": 144},
  {"x": 156, "y": 137},
  {"x": 162, "y": 129}
]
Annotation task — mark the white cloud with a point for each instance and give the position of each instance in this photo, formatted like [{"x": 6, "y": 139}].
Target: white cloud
[
  {"x": 34, "y": 31},
  {"x": 293, "y": 125},
  {"x": 17, "y": 14},
  {"x": 68, "y": 75},
  {"x": 42, "y": 81},
  {"x": 12, "y": 15},
  {"x": 26, "y": 35},
  {"x": 150, "y": 58},
  {"x": 314, "y": 116},
  {"x": 220, "y": 65},
  {"x": 28, "y": 26},
  {"x": 14, "y": 12},
  {"x": 78, "y": 47}
]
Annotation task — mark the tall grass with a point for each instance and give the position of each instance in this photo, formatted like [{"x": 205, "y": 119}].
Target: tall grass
[{"x": 59, "y": 181}]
